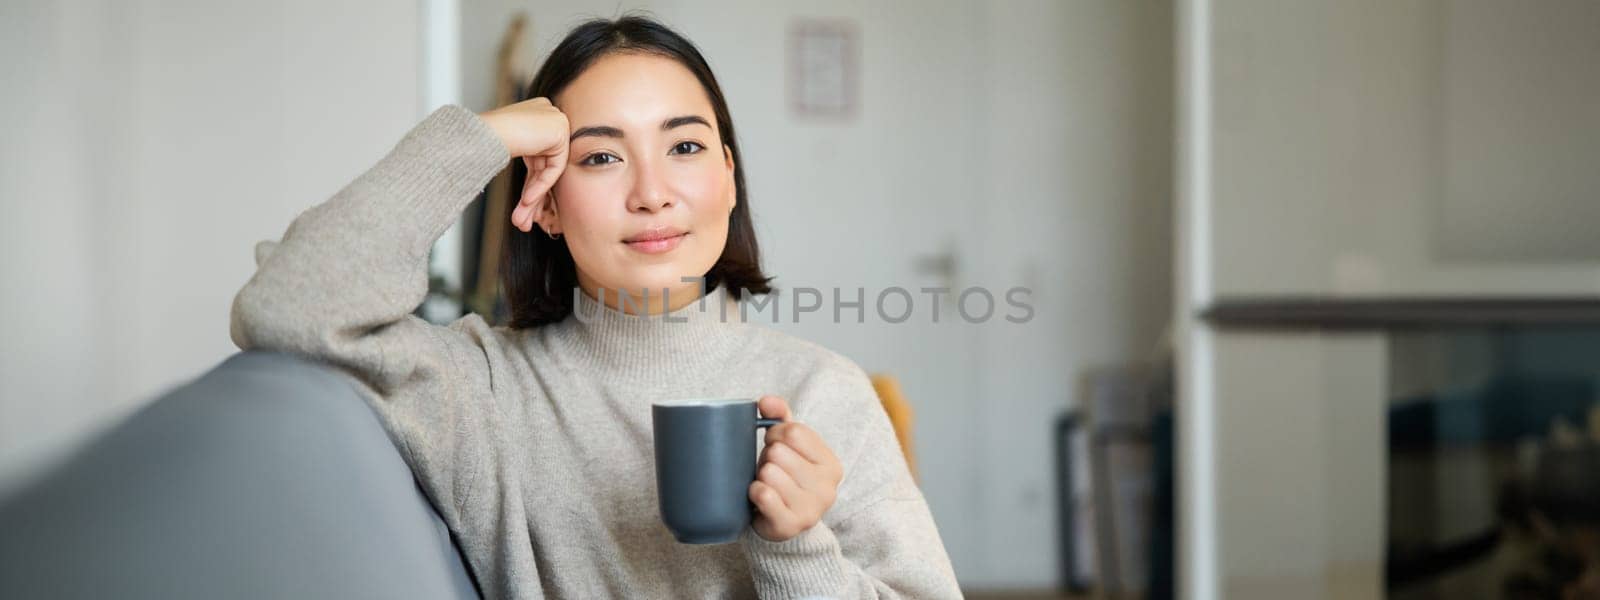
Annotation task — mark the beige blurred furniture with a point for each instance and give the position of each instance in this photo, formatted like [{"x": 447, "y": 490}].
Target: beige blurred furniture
[{"x": 900, "y": 415}]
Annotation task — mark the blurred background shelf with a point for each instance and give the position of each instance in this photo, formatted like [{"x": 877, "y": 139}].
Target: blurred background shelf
[{"x": 1386, "y": 313}]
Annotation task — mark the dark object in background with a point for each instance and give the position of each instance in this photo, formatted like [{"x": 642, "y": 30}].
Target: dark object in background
[
  {"x": 1555, "y": 510},
  {"x": 1123, "y": 439},
  {"x": 1076, "y": 570},
  {"x": 268, "y": 477},
  {"x": 1163, "y": 504},
  {"x": 1504, "y": 409},
  {"x": 1495, "y": 416},
  {"x": 1566, "y": 485}
]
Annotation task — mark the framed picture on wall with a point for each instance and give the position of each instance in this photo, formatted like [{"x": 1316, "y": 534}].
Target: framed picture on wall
[{"x": 824, "y": 57}]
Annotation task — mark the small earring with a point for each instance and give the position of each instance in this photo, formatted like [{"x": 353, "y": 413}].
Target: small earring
[{"x": 551, "y": 194}]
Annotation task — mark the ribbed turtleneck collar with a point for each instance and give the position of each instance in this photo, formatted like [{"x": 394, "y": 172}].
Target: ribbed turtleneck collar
[{"x": 687, "y": 343}]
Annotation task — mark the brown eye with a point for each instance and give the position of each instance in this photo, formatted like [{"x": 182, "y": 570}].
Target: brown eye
[
  {"x": 595, "y": 159},
  {"x": 687, "y": 148}
]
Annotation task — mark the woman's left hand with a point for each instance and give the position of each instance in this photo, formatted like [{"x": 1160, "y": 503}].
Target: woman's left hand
[{"x": 797, "y": 478}]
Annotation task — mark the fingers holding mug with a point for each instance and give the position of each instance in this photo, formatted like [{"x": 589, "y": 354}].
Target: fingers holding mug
[
  {"x": 774, "y": 407},
  {"x": 774, "y": 521}
]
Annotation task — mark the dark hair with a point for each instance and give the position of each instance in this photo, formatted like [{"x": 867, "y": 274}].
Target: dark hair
[{"x": 538, "y": 273}]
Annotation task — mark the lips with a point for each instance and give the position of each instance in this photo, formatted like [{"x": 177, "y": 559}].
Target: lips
[
  {"x": 654, "y": 234},
  {"x": 656, "y": 240}
]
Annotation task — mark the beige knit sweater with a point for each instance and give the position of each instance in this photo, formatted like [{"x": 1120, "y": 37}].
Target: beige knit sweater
[{"x": 535, "y": 444}]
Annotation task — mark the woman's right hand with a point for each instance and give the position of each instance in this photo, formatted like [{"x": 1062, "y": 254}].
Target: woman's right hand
[{"x": 535, "y": 131}]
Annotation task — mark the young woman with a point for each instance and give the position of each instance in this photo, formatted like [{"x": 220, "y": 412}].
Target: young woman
[{"x": 533, "y": 440}]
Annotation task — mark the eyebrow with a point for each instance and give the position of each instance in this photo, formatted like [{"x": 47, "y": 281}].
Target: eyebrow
[{"x": 612, "y": 132}]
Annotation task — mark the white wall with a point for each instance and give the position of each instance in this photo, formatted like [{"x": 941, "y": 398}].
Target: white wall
[
  {"x": 148, "y": 145},
  {"x": 1340, "y": 146},
  {"x": 1519, "y": 122}
]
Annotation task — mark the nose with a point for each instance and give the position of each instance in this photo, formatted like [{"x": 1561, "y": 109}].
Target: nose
[{"x": 651, "y": 193}]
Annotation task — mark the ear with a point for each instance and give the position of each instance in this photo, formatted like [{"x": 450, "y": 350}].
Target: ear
[
  {"x": 733, "y": 183},
  {"x": 546, "y": 215}
]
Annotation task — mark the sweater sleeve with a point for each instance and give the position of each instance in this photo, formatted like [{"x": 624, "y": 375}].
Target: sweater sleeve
[
  {"x": 879, "y": 539},
  {"x": 341, "y": 286}
]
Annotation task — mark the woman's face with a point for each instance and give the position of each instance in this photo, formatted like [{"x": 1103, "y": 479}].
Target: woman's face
[{"x": 645, "y": 197}]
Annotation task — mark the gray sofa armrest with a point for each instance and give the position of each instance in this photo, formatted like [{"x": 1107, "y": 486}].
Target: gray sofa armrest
[{"x": 268, "y": 477}]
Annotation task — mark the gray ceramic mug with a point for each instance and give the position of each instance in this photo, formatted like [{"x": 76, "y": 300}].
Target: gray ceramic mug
[{"x": 705, "y": 463}]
